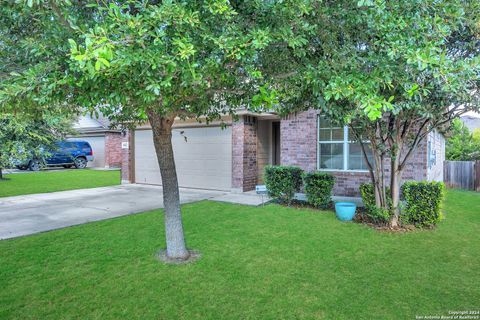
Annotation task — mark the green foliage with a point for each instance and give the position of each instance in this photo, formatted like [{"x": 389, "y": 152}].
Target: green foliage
[
  {"x": 378, "y": 215},
  {"x": 393, "y": 70},
  {"x": 139, "y": 60},
  {"x": 283, "y": 181},
  {"x": 23, "y": 136},
  {"x": 462, "y": 145},
  {"x": 378, "y": 66},
  {"x": 476, "y": 136},
  {"x": 365, "y": 59},
  {"x": 422, "y": 202},
  {"x": 318, "y": 188},
  {"x": 183, "y": 58}
]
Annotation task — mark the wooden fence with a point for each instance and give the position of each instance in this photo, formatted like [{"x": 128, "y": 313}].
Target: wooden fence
[{"x": 462, "y": 174}]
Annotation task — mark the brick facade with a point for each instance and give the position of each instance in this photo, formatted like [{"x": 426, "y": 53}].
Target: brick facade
[
  {"x": 127, "y": 164},
  {"x": 252, "y": 149},
  {"x": 299, "y": 148},
  {"x": 298, "y": 140},
  {"x": 244, "y": 154},
  {"x": 113, "y": 149}
]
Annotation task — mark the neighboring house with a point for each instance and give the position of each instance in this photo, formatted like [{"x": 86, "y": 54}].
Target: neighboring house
[
  {"x": 234, "y": 158},
  {"x": 106, "y": 143},
  {"x": 472, "y": 122}
]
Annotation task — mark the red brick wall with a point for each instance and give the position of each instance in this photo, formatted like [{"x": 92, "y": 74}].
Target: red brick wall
[
  {"x": 298, "y": 140},
  {"x": 113, "y": 149},
  {"x": 250, "y": 157},
  {"x": 127, "y": 163},
  {"x": 299, "y": 148},
  {"x": 244, "y": 154},
  {"x": 348, "y": 183}
]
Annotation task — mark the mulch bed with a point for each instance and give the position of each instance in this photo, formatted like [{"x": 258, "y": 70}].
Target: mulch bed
[{"x": 360, "y": 217}]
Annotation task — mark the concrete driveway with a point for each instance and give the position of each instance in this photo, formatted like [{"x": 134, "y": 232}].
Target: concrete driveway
[{"x": 23, "y": 215}]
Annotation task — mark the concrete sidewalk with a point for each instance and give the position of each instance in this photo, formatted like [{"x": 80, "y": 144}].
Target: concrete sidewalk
[
  {"x": 249, "y": 198},
  {"x": 29, "y": 214}
]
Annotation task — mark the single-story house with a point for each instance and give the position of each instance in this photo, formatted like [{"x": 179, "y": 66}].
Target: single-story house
[
  {"x": 233, "y": 158},
  {"x": 106, "y": 143}
]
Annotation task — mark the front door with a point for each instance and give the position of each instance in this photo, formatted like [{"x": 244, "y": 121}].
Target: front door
[{"x": 268, "y": 146}]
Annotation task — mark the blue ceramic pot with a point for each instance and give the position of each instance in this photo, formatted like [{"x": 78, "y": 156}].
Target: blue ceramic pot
[{"x": 345, "y": 210}]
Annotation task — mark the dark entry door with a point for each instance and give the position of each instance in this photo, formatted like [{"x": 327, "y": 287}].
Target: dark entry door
[{"x": 276, "y": 143}]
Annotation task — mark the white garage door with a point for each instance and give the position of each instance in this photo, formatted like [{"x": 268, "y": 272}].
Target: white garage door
[
  {"x": 98, "y": 146},
  {"x": 203, "y": 157}
]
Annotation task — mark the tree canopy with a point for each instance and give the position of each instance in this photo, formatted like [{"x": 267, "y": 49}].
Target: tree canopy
[
  {"x": 462, "y": 145},
  {"x": 24, "y": 137},
  {"x": 392, "y": 71},
  {"x": 191, "y": 58},
  {"x": 368, "y": 58}
]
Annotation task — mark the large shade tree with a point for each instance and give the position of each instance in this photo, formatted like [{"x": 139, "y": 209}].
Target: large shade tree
[
  {"x": 392, "y": 71},
  {"x": 138, "y": 61}
]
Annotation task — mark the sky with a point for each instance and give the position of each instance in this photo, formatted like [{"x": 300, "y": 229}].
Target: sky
[{"x": 473, "y": 114}]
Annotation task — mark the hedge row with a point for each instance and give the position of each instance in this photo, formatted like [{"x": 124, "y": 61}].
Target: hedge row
[
  {"x": 421, "y": 205},
  {"x": 318, "y": 188},
  {"x": 284, "y": 181},
  {"x": 422, "y": 202},
  {"x": 377, "y": 215}
]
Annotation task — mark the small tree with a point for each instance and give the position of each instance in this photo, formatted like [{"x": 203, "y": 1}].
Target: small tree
[
  {"x": 23, "y": 136},
  {"x": 391, "y": 71},
  {"x": 461, "y": 144}
]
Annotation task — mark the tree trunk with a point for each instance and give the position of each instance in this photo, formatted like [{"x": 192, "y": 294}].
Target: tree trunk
[
  {"x": 395, "y": 182},
  {"x": 379, "y": 182},
  {"x": 162, "y": 139}
]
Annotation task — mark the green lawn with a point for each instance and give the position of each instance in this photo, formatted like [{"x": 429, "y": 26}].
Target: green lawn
[
  {"x": 257, "y": 263},
  {"x": 51, "y": 181}
]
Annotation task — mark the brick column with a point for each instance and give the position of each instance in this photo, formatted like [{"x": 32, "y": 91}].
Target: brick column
[
  {"x": 244, "y": 154},
  {"x": 113, "y": 149},
  {"x": 127, "y": 155}
]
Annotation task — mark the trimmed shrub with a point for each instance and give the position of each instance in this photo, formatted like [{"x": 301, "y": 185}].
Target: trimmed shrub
[
  {"x": 368, "y": 196},
  {"x": 422, "y": 202},
  {"x": 283, "y": 181},
  {"x": 377, "y": 215},
  {"x": 318, "y": 188}
]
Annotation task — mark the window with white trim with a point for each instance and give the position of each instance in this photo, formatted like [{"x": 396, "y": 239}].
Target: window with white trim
[{"x": 338, "y": 150}]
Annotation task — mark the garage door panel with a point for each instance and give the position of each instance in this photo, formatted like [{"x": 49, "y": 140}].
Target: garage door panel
[
  {"x": 206, "y": 182},
  {"x": 220, "y": 166},
  {"x": 192, "y": 148},
  {"x": 200, "y": 173},
  {"x": 196, "y": 135},
  {"x": 204, "y": 160},
  {"x": 217, "y": 166}
]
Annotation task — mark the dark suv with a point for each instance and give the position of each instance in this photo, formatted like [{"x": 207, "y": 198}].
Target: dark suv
[{"x": 66, "y": 154}]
